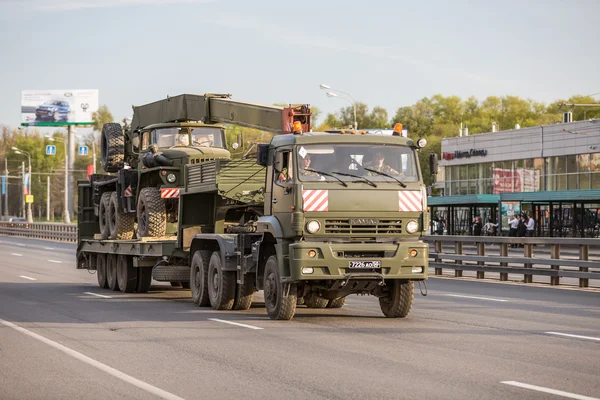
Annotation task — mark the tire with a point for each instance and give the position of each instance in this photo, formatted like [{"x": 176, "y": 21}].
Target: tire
[
  {"x": 113, "y": 147},
  {"x": 111, "y": 272},
  {"x": 198, "y": 283},
  {"x": 279, "y": 306},
  {"x": 337, "y": 303},
  {"x": 120, "y": 224},
  {"x": 101, "y": 271},
  {"x": 313, "y": 300},
  {"x": 151, "y": 214},
  {"x": 103, "y": 215},
  {"x": 221, "y": 284},
  {"x": 398, "y": 301},
  {"x": 126, "y": 274},
  {"x": 144, "y": 279},
  {"x": 300, "y": 301},
  {"x": 243, "y": 295}
]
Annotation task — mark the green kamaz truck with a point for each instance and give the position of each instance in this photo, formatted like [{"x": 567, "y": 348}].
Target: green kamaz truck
[{"x": 313, "y": 218}]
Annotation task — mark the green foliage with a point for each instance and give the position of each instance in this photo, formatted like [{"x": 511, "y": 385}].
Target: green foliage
[{"x": 101, "y": 117}]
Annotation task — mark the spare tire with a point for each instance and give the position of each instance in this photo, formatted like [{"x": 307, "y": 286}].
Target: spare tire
[{"x": 113, "y": 147}]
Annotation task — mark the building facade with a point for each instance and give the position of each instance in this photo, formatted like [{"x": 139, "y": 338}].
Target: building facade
[{"x": 543, "y": 158}]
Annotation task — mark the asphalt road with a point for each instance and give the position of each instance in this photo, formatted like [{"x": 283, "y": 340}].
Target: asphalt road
[{"x": 466, "y": 340}]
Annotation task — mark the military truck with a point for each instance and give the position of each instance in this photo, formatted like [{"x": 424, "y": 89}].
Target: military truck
[
  {"x": 149, "y": 157},
  {"x": 316, "y": 217}
]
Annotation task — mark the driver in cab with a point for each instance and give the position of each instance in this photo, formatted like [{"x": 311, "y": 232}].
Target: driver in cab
[
  {"x": 182, "y": 139},
  {"x": 378, "y": 164}
]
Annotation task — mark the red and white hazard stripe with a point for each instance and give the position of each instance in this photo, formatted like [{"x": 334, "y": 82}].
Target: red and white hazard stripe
[
  {"x": 410, "y": 200},
  {"x": 315, "y": 200},
  {"x": 128, "y": 191},
  {"x": 170, "y": 193}
]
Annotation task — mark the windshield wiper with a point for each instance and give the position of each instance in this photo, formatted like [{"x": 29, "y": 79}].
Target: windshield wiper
[
  {"x": 384, "y": 174},
  {"x": 362, "y": 178},
  {"x": 326, "y": 174}
]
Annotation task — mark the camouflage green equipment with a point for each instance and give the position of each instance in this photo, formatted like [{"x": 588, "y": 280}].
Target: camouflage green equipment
[{"x": 311, "y": 222}]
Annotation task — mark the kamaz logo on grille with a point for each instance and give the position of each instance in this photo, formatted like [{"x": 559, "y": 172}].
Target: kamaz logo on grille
[{"x": 364, "y": 221}]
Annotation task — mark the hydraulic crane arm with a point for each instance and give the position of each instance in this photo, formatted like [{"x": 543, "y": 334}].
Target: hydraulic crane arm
[{"x": 219, "y": 108}]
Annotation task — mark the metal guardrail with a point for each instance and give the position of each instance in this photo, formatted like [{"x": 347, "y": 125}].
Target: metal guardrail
[
  {"x": 39, "y": 230},
  {"x": 449, "y": 253}
]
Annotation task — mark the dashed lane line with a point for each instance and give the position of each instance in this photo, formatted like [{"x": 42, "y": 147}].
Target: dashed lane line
[
  {"x": 27, "y": 277},
  {"x": 98, "y": 295},
  {"x": 55, "y": 261},
  {"x": 573, "y": 336},
  {"x": 235, "y": 323},
  {"x": 475, "y": 297},
  {"x": 548, "y": 390},
  {"x": 97, "y": 364},
  {"x": 17, "y": 254}
]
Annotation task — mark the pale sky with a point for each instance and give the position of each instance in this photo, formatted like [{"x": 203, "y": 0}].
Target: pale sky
[{"x": 385, "y": 53}]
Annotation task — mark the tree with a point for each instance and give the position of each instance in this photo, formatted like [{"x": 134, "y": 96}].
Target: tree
[{"x": 101, "y": 117}]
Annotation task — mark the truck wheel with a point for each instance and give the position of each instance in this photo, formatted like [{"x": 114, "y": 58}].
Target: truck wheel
[
  {"x": 279, "y": 305},
  {"x": 144, "y": 279},
  {"x": 300, "y": 301},
  {"x": 101, "y": 270},
  {"x": 103, "y": 215},
  {"x": 398, "y": 301},
  {"x": 198, "y": 281},
  {"x": 111, "y": 272},
  {"x": 313, "y": 300},
  {"x": 113, "y": 147},
  {"x": 221, "y": 284},
  {"x": 337, "y": 303},
  {"x": 243, "y": 295},
  {"x": 151, "y": 214},
  {"x": 120, "y": 224},
  {"x": 126, "y": 274}
]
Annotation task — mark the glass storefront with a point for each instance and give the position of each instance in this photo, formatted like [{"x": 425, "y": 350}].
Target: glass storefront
[{"x": 571, "y": 172}]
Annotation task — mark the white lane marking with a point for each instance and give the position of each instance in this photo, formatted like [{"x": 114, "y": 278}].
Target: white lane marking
[
  {"x": 27, "y": 277},
  {"x": 573, "y": 336},
  {"x": 90, "y": 361},
  {"x": 54, "y": 261},
  {"x": 17, "y": 254},
  {"x": 20, "y": 244},
  {"x": 235, "y": 323},
  {"x": 48, "y": 248},
  {"x": 475, "y": 297},
  {"x": 548, "y": 390},
  {"x": 98, "y": 295}
]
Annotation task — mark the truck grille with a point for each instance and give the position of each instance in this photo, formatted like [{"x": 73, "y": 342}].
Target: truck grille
[
  {"x": 204, "y": 173},
  {"x": 379, "y": 227}
]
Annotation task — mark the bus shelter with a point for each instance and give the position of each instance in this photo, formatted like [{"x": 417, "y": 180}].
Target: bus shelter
[{"x": 453, "y": 215}]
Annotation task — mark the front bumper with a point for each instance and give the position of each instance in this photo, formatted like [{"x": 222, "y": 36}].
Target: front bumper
[{"x": 332, "y": 260}]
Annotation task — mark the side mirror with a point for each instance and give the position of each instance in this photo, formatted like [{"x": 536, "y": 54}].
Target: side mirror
[
  {"x": 262, "y": 155},
  {"x": 433, "y": 163}
]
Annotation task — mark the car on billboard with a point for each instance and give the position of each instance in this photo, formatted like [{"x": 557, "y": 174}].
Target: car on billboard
[{"x": 53, "y": 110}]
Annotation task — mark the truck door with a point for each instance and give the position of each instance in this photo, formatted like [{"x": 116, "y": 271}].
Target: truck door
[{"x": 282, "y": 200}]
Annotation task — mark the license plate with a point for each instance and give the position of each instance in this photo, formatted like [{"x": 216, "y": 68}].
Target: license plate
[{"x": 365, "y": 264}]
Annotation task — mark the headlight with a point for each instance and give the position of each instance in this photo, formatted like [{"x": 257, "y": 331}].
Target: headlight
[
  {"x": 412, "y": 226},
  {"x": 422, "y": 142},
  {"x": 171, "y": 178},
  {"x": 313, "y": 226}
]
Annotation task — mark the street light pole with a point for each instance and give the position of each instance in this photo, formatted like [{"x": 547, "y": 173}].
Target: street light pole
[
  {"x": 29, "y": 213},
  {"x": 332, "y": 93}
]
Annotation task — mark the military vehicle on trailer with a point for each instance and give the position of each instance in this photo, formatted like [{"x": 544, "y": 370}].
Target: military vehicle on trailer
[{"x": 316, "y": 217}]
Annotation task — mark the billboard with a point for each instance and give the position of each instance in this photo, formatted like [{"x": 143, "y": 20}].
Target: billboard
[
  {"x": 518, "y": 180},
  {"x": 58, "y": 107}
]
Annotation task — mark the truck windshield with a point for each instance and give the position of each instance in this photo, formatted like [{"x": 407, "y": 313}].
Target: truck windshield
[
  {"x": 350, "y": 162},
  {"x": 207, "y": 137}
]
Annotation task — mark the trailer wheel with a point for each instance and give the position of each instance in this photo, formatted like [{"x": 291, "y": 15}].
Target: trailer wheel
[
  {"x": 113, "y": 147},
  {"x": 103, "y": 215},
  {"x": 151, "y": 214},
  {"x": 337, "y": 303},
  {"x": 126, "y": 274},
  {"x": 300, "y": 301},
  {"x": 120, "y": 224},
  {"x": 101, "y": 270},
  {"x": 221, "y": 284},
  {"x": 198, "y": 281},
  {"x": 144, "y": 279},
  {"x": 398, "y": 300},
  {"x": 243, "y": 295},
  {"x": 111, "y": 272},
  {"x": 280, "y": 305},
  {"x": 313, "y": 300}
]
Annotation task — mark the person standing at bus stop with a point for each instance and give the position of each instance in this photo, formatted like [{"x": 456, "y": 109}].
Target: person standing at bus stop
[
  {"x": 530, "y": 227},
  {"x": 513, "y": 223}
]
